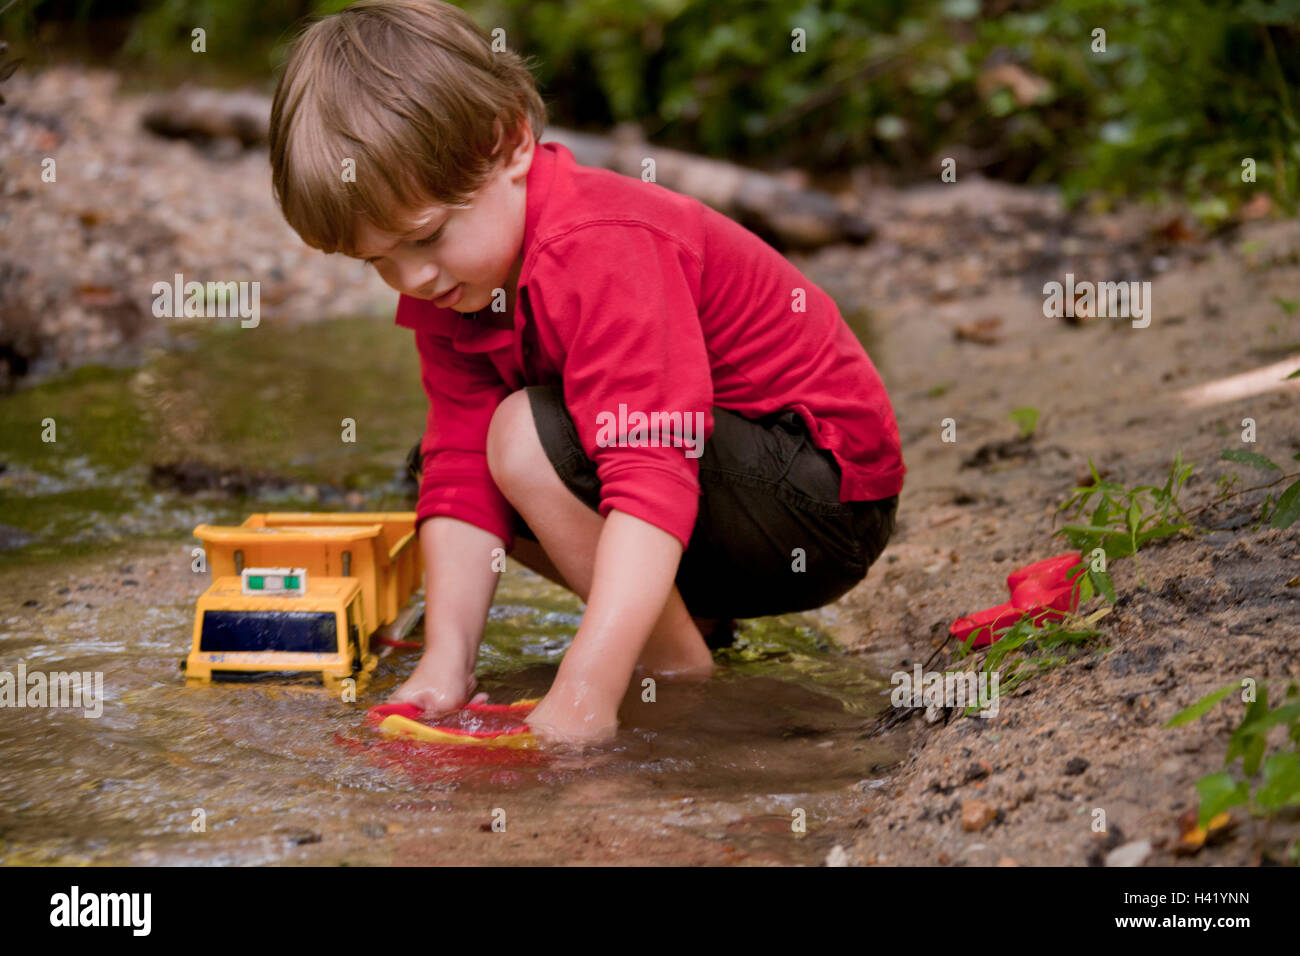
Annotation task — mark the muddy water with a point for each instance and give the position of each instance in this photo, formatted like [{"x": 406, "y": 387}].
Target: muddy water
[
  {"x": 286, "y": 773},
  {"x": 97, "y": 580}
]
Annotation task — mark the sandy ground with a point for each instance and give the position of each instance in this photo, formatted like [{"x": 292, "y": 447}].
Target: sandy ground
[{"x": 1217, "y": 608}]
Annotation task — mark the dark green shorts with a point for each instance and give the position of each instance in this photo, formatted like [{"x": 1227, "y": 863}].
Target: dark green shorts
[{"x": 771, "y": 536}]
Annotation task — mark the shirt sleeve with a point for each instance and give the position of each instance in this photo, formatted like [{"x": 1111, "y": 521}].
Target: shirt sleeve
[
  {"x": 464, "y": 390},
  {"x": 623, "y": 300}
]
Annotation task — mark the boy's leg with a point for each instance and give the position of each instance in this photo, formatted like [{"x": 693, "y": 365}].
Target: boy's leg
[
  {"x": 717, "y": 632},
  {"x": 657, "y": 656},
  {"x": 568, "y": 531}
]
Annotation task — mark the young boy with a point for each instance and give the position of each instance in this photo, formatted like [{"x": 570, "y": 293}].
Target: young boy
[{"x": 628, "y": 392}]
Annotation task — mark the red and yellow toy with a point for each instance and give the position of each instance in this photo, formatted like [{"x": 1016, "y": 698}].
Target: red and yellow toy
[{"x": 476, "y": 725}]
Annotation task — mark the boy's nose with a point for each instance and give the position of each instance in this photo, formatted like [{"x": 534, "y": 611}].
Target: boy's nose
[{"x": 416, "y": 278}]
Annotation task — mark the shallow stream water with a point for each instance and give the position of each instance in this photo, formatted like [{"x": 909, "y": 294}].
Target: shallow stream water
[{"x": 763, "y": 764}]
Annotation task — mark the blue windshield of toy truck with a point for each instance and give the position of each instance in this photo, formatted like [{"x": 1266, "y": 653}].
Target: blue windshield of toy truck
[{"x": 299, "y": 631}]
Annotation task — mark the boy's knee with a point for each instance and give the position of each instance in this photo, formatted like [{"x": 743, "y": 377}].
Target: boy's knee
[{"x": 509, "y": 454}]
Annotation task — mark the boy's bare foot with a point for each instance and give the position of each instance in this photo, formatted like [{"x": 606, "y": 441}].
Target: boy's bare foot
[
  {"x": 681, "y": 659},
  {"x": 563, "y": 720}
]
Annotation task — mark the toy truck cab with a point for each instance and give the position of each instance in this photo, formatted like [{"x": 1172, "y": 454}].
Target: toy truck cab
[{"x": 318, "y": 626}]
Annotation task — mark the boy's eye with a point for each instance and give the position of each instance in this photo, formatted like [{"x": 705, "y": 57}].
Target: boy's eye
[{"x": 426, "y": 241}]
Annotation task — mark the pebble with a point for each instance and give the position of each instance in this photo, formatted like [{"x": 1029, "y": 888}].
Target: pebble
[
  {"x": 1130, "y": 854},
  {"x": 976, "y": 815}
]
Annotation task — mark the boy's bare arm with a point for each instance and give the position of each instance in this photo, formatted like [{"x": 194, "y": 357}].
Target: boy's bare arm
[
  {"x": 459, "y": 584},
  {"x": 636, "y": 563}
]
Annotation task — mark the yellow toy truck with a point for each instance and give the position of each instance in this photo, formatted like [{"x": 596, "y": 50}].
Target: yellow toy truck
[{"x": 304, "y": 592}]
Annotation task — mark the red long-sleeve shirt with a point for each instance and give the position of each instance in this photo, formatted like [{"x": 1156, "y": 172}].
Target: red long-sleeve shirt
[{"x": 630, "y": 293}]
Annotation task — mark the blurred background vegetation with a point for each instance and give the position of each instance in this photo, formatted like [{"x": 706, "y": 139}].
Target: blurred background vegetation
[{"x": 1183, "y": 92}]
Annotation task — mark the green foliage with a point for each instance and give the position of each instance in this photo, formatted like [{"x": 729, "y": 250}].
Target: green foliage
[
  {"x": 1279, "y": 785},
  {"x": 1015, "y": 656},
  {"x": 1026, "y": 418},
  {"x": 1286, "y": 510},
  {"x": 241, "y": 36},
  {"x": 1201, "y": 707},
  {"x": 1123, "y": 520},
  {"x": 1254, "y": 459},
  {"x": 1181, "y": 95}
]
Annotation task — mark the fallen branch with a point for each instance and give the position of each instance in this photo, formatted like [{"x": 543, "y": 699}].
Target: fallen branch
[{"x": 786, "y": 215}]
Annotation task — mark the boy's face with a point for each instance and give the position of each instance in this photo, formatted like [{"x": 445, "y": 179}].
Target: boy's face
[{"x": 458, "y": 257}]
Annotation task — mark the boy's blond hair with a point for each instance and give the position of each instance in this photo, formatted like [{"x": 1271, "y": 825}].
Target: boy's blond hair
[{"x": 412, "y": 92}]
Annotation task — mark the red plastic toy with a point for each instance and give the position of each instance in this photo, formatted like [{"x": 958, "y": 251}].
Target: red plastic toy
[
  {"x": 476, "y": 724},
  {"x": 1041, "y": 589}
]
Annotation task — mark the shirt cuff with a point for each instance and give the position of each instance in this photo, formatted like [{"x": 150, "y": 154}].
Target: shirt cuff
[{"x": 657, "y": 497}]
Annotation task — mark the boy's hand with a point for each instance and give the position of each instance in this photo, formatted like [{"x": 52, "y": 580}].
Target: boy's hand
[
  {"x": 459, "y": 582},
  {"x": 434, "y": 690},
  {"x": 559, "y": 718}
]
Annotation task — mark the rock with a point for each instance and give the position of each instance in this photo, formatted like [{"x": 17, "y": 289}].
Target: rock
[
  {"x": 1133, "y": 853},
  {"x": 1007, "y": 861},
  {"x": 12, "y": 538},
  {"x": 297, "y": 836},
  {"x": 982, "y": 331},
  {"x": 837, "y": 856},
  {"x": 976, "y": 815},
  {"x": 1076, "y": 766}
]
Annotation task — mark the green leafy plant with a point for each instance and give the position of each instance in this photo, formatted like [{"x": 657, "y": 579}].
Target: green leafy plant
[
  {"x": 1179, "y": 96},
  {"x": 1123, "y": 520},
  {"x": 1266, "y": 785},
  {"x": 1286, "y": 510}
]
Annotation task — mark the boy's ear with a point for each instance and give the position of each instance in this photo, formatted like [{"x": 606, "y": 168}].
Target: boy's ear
[{"x": 516, "y": 149}]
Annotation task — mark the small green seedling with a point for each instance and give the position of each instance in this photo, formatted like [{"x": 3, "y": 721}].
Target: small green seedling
[
  {"x": 1026, "y": 418},
  {"x": 1287, "y": 305}
]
